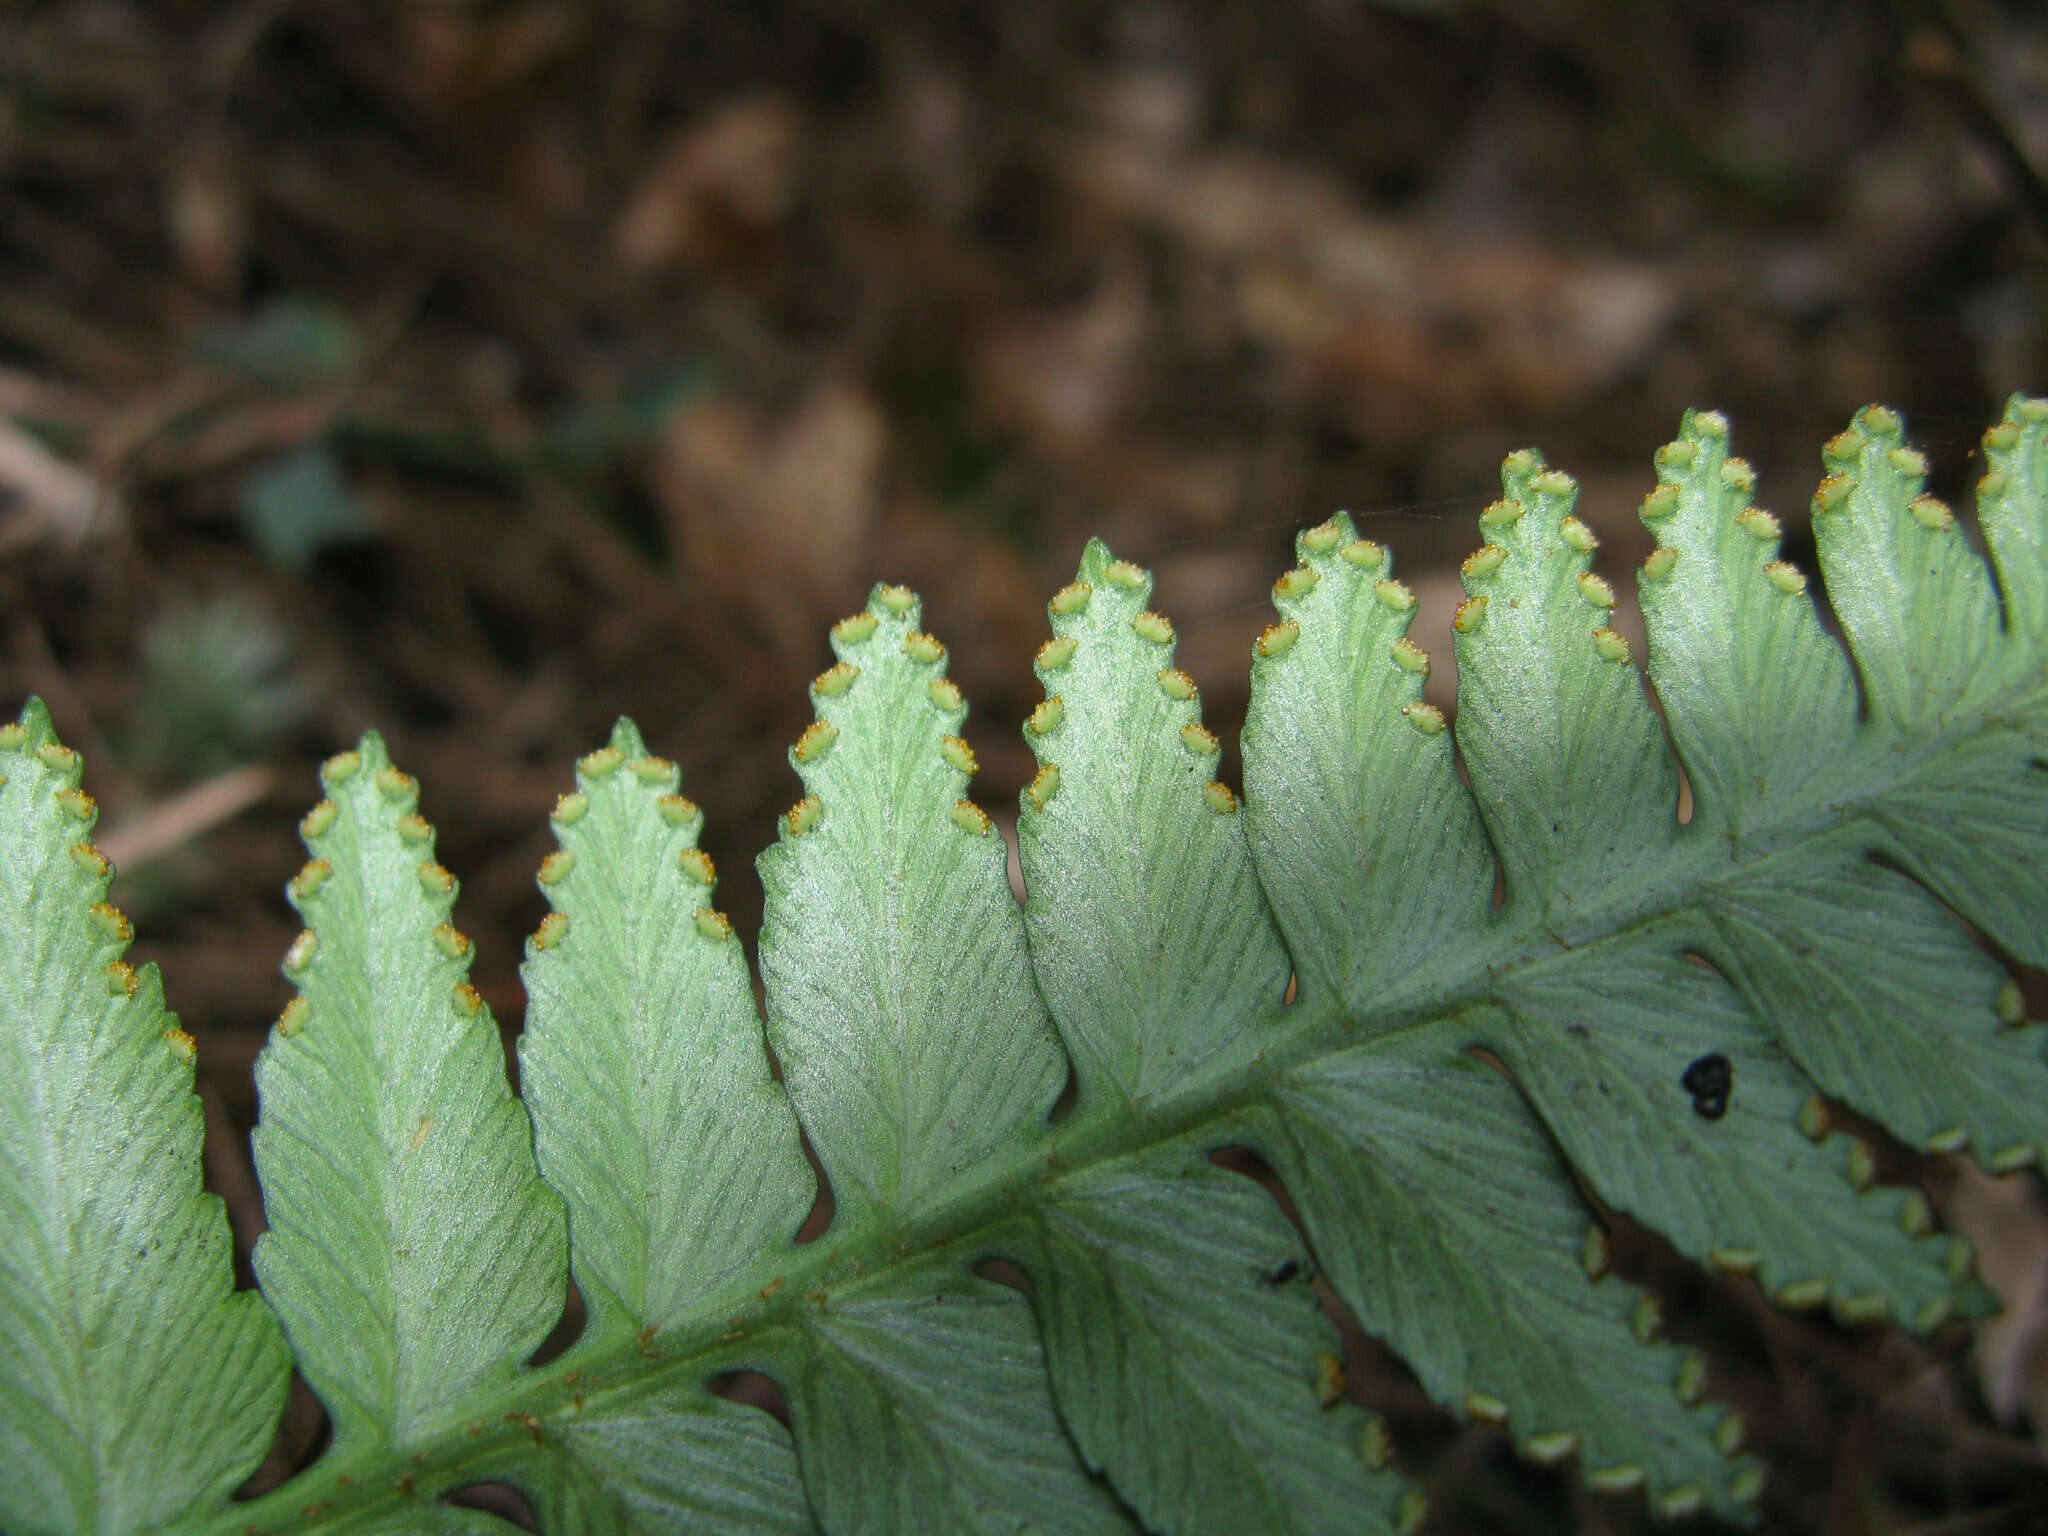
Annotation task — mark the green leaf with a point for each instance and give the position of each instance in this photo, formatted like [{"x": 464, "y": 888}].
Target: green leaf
[
  {"x": 1914, "y": 599},
  {"x": 413, "y": 1252},
  {"x": 1658, "y": 1013},
  {"x": 1761, "y": 710},
  {"x": 1202, "y": 1400},
  {"x": 669, "y": 1459},
  {"x": 1601, "y": 1040},
  {"x": 1368, "y": 846},
  {"x": 1447, "y": 1222},
  {"x": 1924, "y": 623},
  {"x": 135, "y": 1384},
  {"x": 643, "y": 1063},
  {"x": 920, "y": 1405},
  {"x": 1149, "y": 937},
  {"x": 1568, "y": 764},
  {"x": 2009, "y": 502},
  {"x": 900, "y": 1001},
  {"x": 1883, "y": 1000},
  {"x": 676, "y": 1153}
]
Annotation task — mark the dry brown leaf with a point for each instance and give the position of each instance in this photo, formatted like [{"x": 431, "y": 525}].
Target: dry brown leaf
[
  {"x": 2007, "y": 1219},
  {"x": 778, "y": 512},
  {"x": 720, "y": 184}
]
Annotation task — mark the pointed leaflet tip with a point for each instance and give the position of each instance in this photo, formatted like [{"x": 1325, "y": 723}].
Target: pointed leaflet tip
[
  {"x": 815, "y": 742},
  {"x": 1931, "y": 513},
  {"x": 1622, "y": 1477},
  {"x": 1786, "y": 577},
  {"x": 1682, "y": 1503},
  {"x": 1275, "y": 639},
  {"x": 1802, "y": 1295},
  {"x": 654, "y": 770},
  {"x": 1482, "y": 562},
  {"x": 1046, "y": 716},
  {"x": 1155, "y": 627},
  {"x": 1322, "y": 538},
  {"x": 112, "y": 921},
  {"x": 1595, "y": 1257},
  {"x": 1070, "y": 599},
  {"x": 897, "y": 600},
  {"x": 2012, "y": 1159},
  {"x": 1364, "y": 554},
  {"x": 1393, "y": 594},
  {"x": 2011, "y": 1004},
  {"x": 678, "y": 811},
  {"x": 313, "y": 874},
  {"x": 835, "y": 680},
  {"x": 1758, "y": 524},
  {"x": 1547, "y": 1450},
  {"x": 1691, "y": 1384},
  {"x": 1295, "y": 584},
  {"x": 1330, "y": 1383}
]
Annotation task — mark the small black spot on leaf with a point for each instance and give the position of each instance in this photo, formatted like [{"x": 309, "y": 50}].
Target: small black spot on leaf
[
  {"x": 1710, "y": 1080},
  {"x": 1284, "y": 1273}
]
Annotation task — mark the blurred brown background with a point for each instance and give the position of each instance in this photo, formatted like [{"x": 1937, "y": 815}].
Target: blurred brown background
[{"x": 481, "y": 371}]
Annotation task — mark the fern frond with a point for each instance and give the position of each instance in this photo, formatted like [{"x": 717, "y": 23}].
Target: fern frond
[
  {"x": 414, "y": 1255},
  {"x": 1660, "y": 1011},
  {"x": 134, "y": 1384}
]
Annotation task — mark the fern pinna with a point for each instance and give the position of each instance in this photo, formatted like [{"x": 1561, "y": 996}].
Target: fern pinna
[{"x": 1665, "y": 1011}]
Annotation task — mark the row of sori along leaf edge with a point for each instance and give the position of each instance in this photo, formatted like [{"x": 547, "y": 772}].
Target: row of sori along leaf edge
[{"x": 1153, "y": 1078}]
